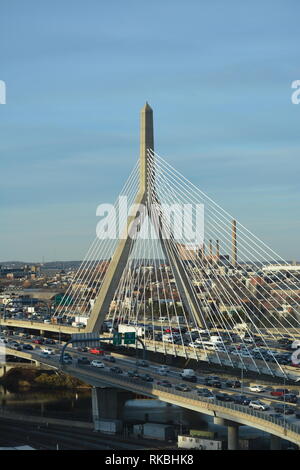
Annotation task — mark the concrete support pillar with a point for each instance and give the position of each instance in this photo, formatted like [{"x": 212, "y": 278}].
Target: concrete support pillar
[
  {"x": 233, "y": 437},
  {"x": 95, "y": 404},
  {"x": 42, "y": 332},
  {"x": 232, "y": 432},
  {"x": 107, "y": 403},
  {"x": 275, "y": 443}
]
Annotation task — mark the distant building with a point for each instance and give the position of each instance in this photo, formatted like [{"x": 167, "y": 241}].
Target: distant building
[{"x": 272, "y": 268}]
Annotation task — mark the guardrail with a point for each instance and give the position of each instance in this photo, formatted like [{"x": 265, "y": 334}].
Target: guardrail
[
  {"x": 150, "y": 388},
  {"x": 188, "y": 397}
]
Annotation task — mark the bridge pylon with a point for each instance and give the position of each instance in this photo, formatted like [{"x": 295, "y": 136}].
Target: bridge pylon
[{"x": 144, "y": 200}]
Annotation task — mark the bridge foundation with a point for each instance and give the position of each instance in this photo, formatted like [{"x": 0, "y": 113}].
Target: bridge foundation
[
  {"x": 232, "y": 432},
  {"x": 107, "y": 405}
]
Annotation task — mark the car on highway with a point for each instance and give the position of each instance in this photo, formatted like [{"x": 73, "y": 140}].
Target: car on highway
[
  {"x": 142, "y": 363},
  {"x": 289, "y": 398},
  {"x": 96, "y": 363},
  {"x": 83, "y": 361},
  {"x": 258, "y": 405},
  {"x": 257, "y": 388},
  {"x": 67, "y": 360},
  {"x": 28, "y": 347},
  {"x": 208, "y": 395},
  {"x": 223, "y": 396},
  {"x": 17, "y": 347},
  {"x": 215, "y": 383},
  {"x": 116, "y": 370},
  {"x": 146, "y": 377},
  {"x": 279, "y": 392},
  {"x": 66, "y": 354},
  {"x": 109, "y": 358},
  {"x": 195, "y": 345},
  {"x": 50, "y": 341},
  {"x": 96, "y": 351},
  {"x": 47, "y": 351},
  {"x": 164, "y": 383},
  {"x": 133, "y": 373},
  {"x": 203, "y": 390},
  {"x": 285, "y": 410},
  {"x": 182, "y": 388},
  {"x": 233, "y": 383},
  {"x": 37, "y": 341},
  {"x": 79, "y": 325},
  {"x": 241, "y": 399}
]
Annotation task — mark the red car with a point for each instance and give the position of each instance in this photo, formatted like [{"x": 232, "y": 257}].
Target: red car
[
  {"x": 96, "y": 351},
  {"x": 37, "y": 341},
  {"x": 279, "y": 392}
]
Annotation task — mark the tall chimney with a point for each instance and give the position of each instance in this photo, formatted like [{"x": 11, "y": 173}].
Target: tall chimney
[
  {"x": 217, "y": 250},
  {"x": 234, "y": 246},
  {"x": 202, "y": 251},
  {"x": 210, "y": 250}
]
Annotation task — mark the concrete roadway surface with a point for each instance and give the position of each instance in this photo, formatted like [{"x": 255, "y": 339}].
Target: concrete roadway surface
[{"x": 173, "y": 376}]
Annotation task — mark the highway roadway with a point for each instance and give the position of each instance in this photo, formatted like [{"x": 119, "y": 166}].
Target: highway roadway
[
  {"x": 173, "y": 376},
  {"x": 227, "y": 358}
]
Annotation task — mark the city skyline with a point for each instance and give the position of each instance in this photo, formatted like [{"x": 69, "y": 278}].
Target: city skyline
[{"x": 220, "y": 87}]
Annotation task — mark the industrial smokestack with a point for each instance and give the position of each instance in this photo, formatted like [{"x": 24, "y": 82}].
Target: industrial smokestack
[
  {"x": 210, "y": 250},
  {"x": 234, "y": 245},
  {"x": 202, "y": 251},
  {"x": 217, "y": 250}
]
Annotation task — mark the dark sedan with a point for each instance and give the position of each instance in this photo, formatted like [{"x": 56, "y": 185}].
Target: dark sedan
[
  {"x": 116, "y": 370},
  {"x": 223, "y": 397},
  {"x": 164, "y": 383}
]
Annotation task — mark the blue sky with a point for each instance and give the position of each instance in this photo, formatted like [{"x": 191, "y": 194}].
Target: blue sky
[{"x": 218, "y": 76}]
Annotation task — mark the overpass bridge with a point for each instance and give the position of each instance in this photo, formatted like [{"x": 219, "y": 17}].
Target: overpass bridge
[
  {"x": 108, "y": 390},
  {"x": 175, "y": 350}
]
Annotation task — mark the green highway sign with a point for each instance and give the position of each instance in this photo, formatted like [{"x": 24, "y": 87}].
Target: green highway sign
[
  {"x": 129, "y": 338},
  {"x": 117, "y": 339}
]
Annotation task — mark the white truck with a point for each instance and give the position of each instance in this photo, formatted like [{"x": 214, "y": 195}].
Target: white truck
[
  {"x": 81, "y": 319},
  {"x": 138, "y": 330},
  {"x": 189, "y": 375}
]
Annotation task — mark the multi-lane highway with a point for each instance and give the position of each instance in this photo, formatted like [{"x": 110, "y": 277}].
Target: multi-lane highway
[
  {"x": 213, "y": 391},
  {"x": 269, "y": 358}
]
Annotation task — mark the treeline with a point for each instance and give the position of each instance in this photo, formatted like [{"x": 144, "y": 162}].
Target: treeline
[{"x": 20, "y": 378}]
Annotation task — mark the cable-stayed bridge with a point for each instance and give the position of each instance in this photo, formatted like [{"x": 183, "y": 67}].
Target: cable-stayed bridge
[{"x": 175, "y": 267}]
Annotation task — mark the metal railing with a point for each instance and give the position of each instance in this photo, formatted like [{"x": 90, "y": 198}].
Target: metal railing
[{"x": 151, "y": 387}]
